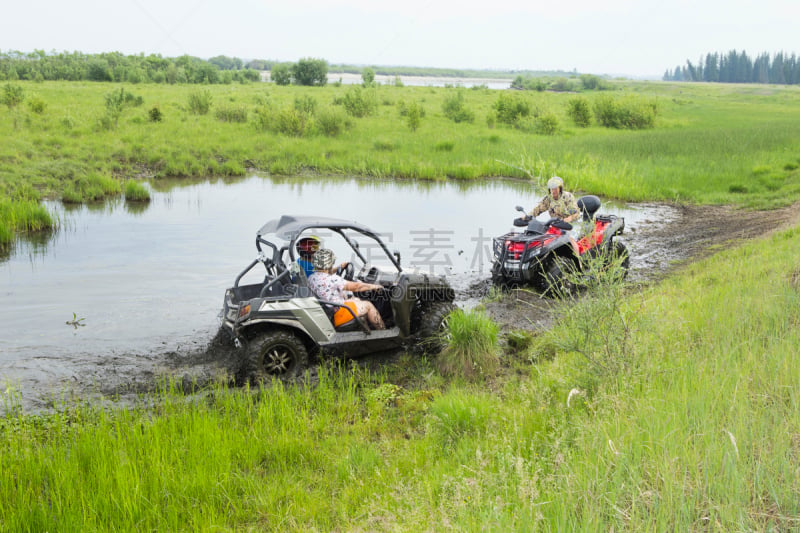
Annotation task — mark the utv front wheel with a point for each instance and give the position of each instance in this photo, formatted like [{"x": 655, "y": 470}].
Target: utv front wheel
[
  {"x": 277, "y": 354},
  {"x": 433, "y": 326}
]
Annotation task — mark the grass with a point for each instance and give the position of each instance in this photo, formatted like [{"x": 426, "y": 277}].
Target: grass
[
  {"x": 701, "y": 430},
  {"x": 472, "y": 345},
  {"x": 710, "y": 144},
  {"x": 136, "y": 192},
  {"x": 704, "y": 141},
  {"x": 690, "y": 421},
  {"x": 22, "y": 215}
]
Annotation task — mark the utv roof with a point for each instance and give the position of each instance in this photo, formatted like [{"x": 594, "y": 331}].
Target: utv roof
[{"x": 290, "y": 226}]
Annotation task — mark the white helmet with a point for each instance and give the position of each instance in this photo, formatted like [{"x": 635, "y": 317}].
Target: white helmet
[{"x": 555, "y": 182}]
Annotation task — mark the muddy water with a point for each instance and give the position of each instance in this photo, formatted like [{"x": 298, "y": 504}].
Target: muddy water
[{"x": 120, "y": 286}]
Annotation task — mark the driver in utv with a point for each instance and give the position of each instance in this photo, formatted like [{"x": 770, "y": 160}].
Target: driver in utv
[
  {"x": 560, "y": 204},
  {"x": 331, "y": 287},
  {"x": 306, "y": 248}
]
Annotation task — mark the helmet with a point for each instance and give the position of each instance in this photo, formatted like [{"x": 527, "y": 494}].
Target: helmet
[
  {"x": 307, "y": 246},
  {"x": 323, "y": 259},
  {"x": 555, "y": 182}
]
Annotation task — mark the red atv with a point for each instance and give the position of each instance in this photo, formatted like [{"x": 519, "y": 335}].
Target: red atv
[{"x": 543, "y": 254}]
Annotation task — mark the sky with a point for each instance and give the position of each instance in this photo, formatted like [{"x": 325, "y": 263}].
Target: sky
[{"x": 636, "y": 38}]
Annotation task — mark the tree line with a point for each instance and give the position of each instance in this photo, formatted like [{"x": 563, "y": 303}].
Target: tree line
[
  {"x": 738, "y": 67},
  {"x": 117, "y": 67}
]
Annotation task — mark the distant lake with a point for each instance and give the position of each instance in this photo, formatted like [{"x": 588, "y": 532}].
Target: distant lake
[{"x": 422, "y": 81}]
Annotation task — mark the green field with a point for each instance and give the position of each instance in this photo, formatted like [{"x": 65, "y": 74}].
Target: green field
[
  {"x": 677, "y": 409},
  {"x": 726, "y": 144}
]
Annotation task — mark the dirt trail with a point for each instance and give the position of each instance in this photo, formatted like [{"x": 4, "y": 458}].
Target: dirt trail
[{"x": 656, "y": 248}]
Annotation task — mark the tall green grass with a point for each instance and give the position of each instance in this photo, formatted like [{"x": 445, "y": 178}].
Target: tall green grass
[
  {"x": 471, "y": 348},
  {"x": 136, "y": 192},
  {"x": 22, "y": 215}
]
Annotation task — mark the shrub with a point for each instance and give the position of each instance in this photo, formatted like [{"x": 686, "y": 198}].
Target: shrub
[
  {"x": 13, "y": 95},
  {"x": 262, "y": 118},
  {"x": 414, "y": 115},
  {"x": 290, "y": 121},
  {"x": 472, "y": 345},
  {"x": 116, "y": 102},
  {"x": 305, "y": 104},
  {"x": 510, "y": 108},
  {"x": 454, "y": 109},
  {"x": 579, "y": 111},
  {"x": 200, "y": 102},
  {"x": 629, "y": 112},
  {"x": 231, "y": 113},
  {"x": 37, "y": 105},
  {"x": 528, "y": 83},
  {"x": 155, "y": 114},
  {"x": 331, "y": 122},
  {"x": 491, "y": 119},
  {"x": 444, "y": 146},
  {"x": 310, "y": 71},
  {"x": 136, "y": 192},
  {"x": 591, "y": 82},
  {"x": 546, "y": 124},
  {"x": 359, "y": 102},
  {"x": 561, "y": 85},
  {"x": 281, "y": 74},
  {"x": 368, "y": 77}
]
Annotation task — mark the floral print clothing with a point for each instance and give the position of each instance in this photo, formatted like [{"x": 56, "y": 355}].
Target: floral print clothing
[{"x": 328, "y": 287}]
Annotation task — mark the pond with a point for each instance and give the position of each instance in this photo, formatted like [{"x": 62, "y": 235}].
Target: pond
[{"x": 120, "y": 283}]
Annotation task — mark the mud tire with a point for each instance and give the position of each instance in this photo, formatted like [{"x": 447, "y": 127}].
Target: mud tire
[
  {"x": 619, "y": 250},
  {"x": 557, "y": 283},
  {"x": 498, "y": 279},
  {"x": 279, "y": 354},
  {"x": 433, "y": 326}
]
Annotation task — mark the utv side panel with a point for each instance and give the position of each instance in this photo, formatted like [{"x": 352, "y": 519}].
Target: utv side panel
[{"x": 304, "y": 314}]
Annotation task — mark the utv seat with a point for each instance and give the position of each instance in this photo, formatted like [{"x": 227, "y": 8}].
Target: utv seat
[{"x": 344, "y": 317}]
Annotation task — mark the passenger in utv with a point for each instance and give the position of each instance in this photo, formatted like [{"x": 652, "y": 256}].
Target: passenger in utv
[
  {"x": 559, "y": 204},
  {"x": 306, "y": 248},
  {"x": 332, "y": 288}
]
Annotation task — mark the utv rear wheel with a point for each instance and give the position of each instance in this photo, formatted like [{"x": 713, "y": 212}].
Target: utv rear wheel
[
  {"x": 433, "y": 327},
  {"x": 277, "y": 354}
]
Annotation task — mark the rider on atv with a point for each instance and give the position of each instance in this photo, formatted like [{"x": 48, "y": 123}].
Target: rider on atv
[{"x": 560, "y": 204}]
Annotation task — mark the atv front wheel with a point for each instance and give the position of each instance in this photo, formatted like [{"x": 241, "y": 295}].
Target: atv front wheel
[
  {"x": 559, "y": 277},
  {"x": 275, "y": 354},
  {"x": 433, "y": 326}
]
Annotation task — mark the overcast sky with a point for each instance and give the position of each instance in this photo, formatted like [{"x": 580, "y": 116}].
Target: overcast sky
[{"x": 620, "y": 37}]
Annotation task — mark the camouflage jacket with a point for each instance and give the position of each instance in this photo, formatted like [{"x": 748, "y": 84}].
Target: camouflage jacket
[{"x": 565, "y": 206}]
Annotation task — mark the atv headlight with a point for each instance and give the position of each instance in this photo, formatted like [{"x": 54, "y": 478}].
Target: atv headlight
[{"x": 244, "y": 311}]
